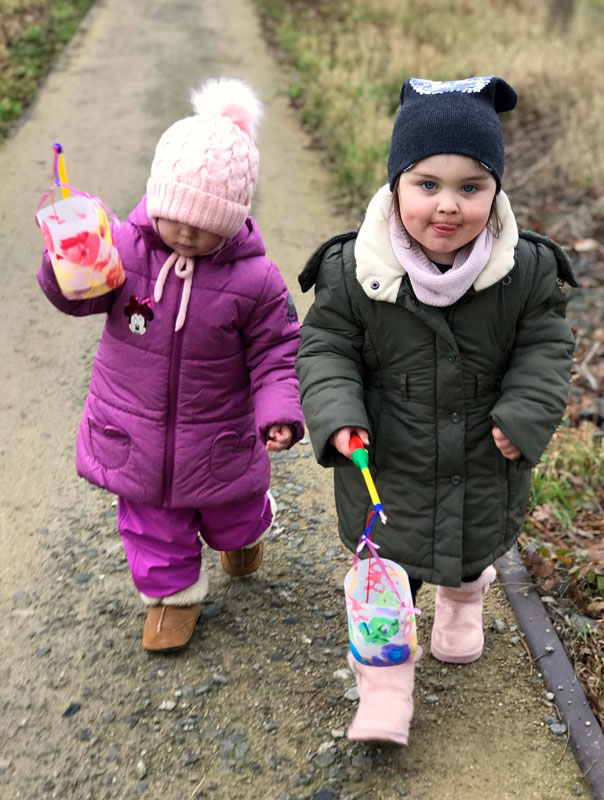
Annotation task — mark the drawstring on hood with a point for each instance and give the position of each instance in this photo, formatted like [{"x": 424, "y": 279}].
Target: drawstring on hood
[{"x": 183, "y": 268}]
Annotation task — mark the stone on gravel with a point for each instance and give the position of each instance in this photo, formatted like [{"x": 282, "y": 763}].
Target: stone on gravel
[
  {"x": 558, "y": 729},
  {"x": 188, "y": 758}
]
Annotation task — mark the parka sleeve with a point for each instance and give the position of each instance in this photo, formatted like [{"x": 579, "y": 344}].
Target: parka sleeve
[
  {"x": 534, "y": 390},
  {"x": 329, "y": 363},
  {"x": 271, "y": 337},
  {"x": 75, "y": 308}
]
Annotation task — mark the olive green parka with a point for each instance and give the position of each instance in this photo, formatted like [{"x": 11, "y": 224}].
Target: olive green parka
[{"x": 429, "y": 384}]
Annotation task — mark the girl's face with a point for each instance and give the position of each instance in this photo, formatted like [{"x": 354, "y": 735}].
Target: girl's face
[
  {"x": 445, "y": 202},
  {"x": 185, "y": 240}
]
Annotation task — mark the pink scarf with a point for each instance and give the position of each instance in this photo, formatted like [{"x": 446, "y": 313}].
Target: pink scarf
[{"x": 430, "y": 285}]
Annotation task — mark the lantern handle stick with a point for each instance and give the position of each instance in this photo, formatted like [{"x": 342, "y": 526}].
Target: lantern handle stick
[
  {"x": 60, "y": 171},
  {"x": 360, "y": 458}
]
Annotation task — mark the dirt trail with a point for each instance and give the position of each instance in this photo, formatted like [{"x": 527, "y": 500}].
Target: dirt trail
[{"x": 252, "y": 709}]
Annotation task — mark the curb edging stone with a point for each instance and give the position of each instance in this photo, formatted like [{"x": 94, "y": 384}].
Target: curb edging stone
[{"x": 585, "y": 734}]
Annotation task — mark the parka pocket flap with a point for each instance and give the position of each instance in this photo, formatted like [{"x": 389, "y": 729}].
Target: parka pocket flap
[{"x": 110, "y": 446}]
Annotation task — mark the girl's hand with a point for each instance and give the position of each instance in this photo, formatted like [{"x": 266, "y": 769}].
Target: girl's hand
[
  {"x": 279, "y": 437},
  {"x": 505, "y": 447},
  {"x": 340, "y": 439}
]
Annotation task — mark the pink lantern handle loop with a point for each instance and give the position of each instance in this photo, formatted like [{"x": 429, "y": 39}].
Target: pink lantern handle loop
[
  {"x": 58, "y": 184},
  {"x": 365, "y": 541}
]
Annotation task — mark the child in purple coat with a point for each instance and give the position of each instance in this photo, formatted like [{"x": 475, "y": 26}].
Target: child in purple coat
[{"x": 194, "y": 378}]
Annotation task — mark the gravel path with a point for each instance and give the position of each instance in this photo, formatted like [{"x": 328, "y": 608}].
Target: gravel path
[{"x": 258, "y": 705}]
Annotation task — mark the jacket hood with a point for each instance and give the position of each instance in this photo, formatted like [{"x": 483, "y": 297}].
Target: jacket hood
[
  {"x": 246, "y": 243},
  {"x": 378, "y": 266}
]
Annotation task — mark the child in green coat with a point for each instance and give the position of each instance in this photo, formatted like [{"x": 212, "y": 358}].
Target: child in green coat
[{"x": 438, "y": 335}]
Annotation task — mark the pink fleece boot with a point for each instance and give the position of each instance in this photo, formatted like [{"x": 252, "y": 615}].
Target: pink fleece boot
[
  {"x": 457, "y": 636},
  {"x": 385, "y": 702}
]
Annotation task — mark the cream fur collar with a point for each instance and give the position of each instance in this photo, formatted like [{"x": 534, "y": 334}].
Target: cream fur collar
[{"x": 378, "y": 270}]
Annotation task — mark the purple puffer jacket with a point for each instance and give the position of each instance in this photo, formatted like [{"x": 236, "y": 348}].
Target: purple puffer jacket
[{"x": 180, "y": 419}]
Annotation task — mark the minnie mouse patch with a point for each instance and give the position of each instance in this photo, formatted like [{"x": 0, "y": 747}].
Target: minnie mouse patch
[{"x": 139, "y": 314}]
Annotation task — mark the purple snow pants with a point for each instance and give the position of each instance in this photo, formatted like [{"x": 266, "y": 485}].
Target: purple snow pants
[{"x": 162, "y": 545}]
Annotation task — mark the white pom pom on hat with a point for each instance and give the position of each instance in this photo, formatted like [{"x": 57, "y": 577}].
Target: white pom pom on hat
[
  {"x": 205, "y": 167},
  {"x": 232, "y": 98}
]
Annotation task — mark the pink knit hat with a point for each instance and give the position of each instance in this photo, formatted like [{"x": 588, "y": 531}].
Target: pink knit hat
[{"x": 205, "y": 167}]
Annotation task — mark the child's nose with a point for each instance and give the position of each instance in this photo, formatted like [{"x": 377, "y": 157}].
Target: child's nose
[{"x": 447, "y": 202}]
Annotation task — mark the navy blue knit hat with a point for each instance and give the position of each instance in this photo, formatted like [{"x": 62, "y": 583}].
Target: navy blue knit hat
[{"x": 457, "y": 117}]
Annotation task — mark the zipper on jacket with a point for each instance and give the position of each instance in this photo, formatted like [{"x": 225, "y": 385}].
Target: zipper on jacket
[{"x": 173, "y": 388}]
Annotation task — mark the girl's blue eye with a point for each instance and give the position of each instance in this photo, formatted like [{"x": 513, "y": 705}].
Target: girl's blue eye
[
  {"x": 429, "y": 185},
  {"x": 468, "y": 188}
]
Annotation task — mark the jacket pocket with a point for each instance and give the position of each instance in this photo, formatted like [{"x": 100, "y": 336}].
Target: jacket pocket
[
  {"x": 231, "y": 455},
  {"x": 110, "y": 446}
]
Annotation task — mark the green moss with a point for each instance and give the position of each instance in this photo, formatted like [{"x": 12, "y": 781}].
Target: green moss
[{"x": 31, "y": 53}]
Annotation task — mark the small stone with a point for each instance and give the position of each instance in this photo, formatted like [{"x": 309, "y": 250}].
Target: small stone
[
  {"x": 362, "y": 761},
  {"x": 219, "y": 680},
  {"x": 167, "y": 705},
  {"x": 324, "y": 794},
  {"x": 71, "y": 709},
  {"x": 141, "y": 769},
  {"x": 547, "y": 720},
  {"x": 84, "y": 735},
  {"x": 212, "y": 610},
  {"x": 189, "y": 758},
  {"x": 326, "y": 759},
  {"x": 41, "y": 652},
  {"x": 21, "y": 600},
  {"x": 549, "y": 695},
  {"x": 432, "y": 699},
  {"x": 112, "y": 753},
  {"x": 342, "y": 674},
  {"x": 107, "y": 716},
  {"x": 498, "y": 625},
  {"x": 352, "y": 694},
  {"x": 558, "y": 729}
]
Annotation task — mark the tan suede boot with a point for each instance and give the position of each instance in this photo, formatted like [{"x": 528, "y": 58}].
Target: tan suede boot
[
  {"x": 246, "y": 560},
  {"x": 243, "y": 561},
  {"x": 171, "y": 619},
  {"x": 169, "y": 628}
]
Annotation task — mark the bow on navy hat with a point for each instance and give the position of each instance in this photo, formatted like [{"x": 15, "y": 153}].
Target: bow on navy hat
[{"x": 458, "y": 117}]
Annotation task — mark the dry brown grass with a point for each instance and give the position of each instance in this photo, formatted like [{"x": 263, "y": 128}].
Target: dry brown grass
[{"x": 353, "y": 56}]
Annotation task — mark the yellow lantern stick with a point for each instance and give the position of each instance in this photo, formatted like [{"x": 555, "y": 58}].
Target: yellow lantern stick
[
  {"x": 360, "y": 458},
  {"x": 60, "y": 171}
]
